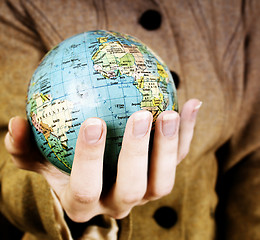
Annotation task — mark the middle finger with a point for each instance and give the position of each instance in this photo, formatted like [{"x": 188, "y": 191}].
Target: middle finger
[{"x": 131, "y": 182}]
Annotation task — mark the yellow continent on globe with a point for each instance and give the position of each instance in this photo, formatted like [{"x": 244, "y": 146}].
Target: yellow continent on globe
[
  {"x": 129, "y": 61},
  {"x": 95, "y": 74},
  {"x": 53, "y": 119}
]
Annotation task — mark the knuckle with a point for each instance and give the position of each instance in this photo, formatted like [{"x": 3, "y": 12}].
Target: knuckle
[
  {"x": 171, "y": 153},
  {"x": 132, "y": 199},
  {"x": 78, "y": 217},
  {"x": 95, "y": 153},
  {"x": 85, "y": 198},
  {"x": 134, "y": 152},
  {"x": 160, "y": 192}
]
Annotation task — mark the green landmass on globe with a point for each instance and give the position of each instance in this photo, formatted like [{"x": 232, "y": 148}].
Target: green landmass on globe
[{"x": 101, "y": 74}]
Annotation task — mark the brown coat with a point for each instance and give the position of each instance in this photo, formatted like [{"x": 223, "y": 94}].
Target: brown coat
[{"x": 214, "y": 47}]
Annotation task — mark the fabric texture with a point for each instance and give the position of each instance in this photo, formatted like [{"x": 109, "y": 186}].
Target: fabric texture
[{"x": 214, "y": 47}]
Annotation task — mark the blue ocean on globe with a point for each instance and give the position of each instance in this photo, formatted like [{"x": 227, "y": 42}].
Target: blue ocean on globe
[{"x": 101, "y": 74}]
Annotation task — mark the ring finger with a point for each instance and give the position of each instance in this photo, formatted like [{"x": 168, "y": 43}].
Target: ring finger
[{"x": 164, "y": 156}]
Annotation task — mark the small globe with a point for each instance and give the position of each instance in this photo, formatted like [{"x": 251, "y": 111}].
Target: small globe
[{"x": 101, "y": 74}]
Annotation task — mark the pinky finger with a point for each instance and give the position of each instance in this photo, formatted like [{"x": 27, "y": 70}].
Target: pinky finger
[{"x": 188, "y": 120}]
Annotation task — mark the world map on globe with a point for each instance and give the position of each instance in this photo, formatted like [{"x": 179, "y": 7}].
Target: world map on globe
[{"x": 101, "y": 74}]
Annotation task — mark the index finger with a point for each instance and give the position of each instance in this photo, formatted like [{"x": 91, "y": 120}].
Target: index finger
[{"x": 83, "y": 191}]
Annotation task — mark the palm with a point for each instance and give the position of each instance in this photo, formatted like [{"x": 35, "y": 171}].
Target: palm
[{"x": 80, "y": 192}]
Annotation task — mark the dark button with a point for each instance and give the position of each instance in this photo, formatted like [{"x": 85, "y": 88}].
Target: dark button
[
  {"x": 165, "y": 217},
  {"x": 151, "y": 20},
  {"x": 176, "y": 79}
]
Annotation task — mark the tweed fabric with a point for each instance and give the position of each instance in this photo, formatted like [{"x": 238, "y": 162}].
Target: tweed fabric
[{"x": 214, "y": 47}]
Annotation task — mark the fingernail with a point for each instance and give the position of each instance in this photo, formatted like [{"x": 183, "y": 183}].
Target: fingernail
[
  {"x": 169, "y": 125},
  {"x": 141, "y": 123},
  {"x": 10, "y": 130},
  {"x": 93, "y": 130},
  {"x": 195, "y": 111}
]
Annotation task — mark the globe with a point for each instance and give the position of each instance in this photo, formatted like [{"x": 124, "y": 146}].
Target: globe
[{"x": 102, "y": 74}]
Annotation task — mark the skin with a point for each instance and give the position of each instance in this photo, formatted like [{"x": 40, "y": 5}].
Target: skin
[{"x": 80, "y": 193}]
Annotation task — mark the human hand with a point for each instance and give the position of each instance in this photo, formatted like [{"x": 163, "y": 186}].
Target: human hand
[{"x": 80, "y": 193}]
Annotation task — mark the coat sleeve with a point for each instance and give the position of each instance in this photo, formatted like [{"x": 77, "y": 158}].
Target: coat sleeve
[
  {"x": 239, "y": 187},
  {"x": 25, "y": 197}
]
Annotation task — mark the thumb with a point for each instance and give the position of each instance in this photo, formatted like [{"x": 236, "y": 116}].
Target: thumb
[{"x": 18, "y": 144}]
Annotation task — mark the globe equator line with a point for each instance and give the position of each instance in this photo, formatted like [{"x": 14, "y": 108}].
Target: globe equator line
[{"x": 123, "y": 81}]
